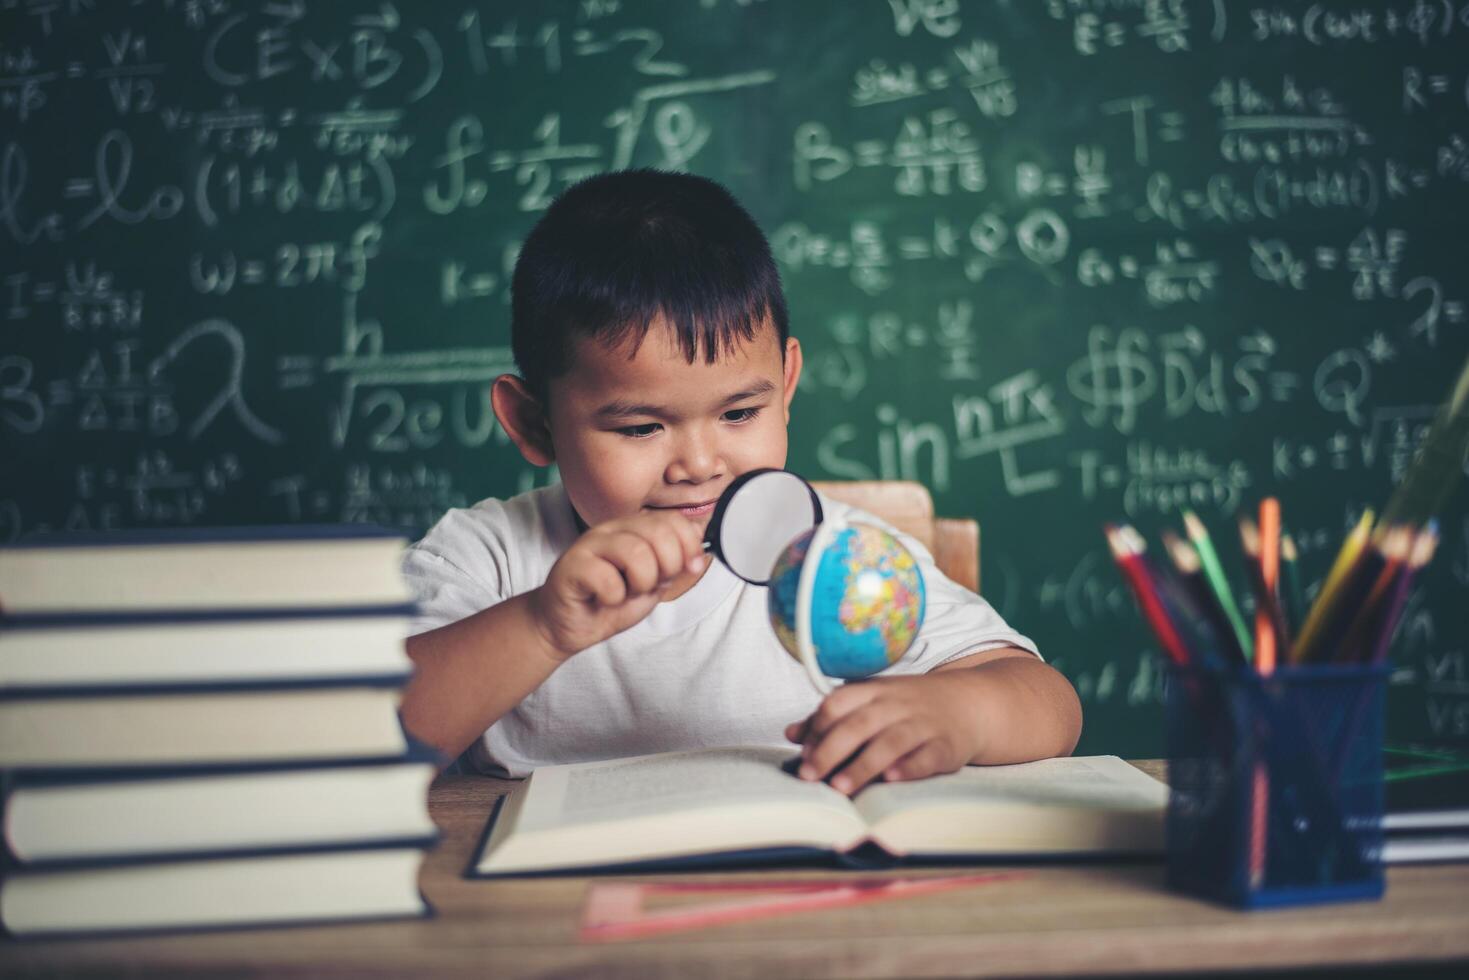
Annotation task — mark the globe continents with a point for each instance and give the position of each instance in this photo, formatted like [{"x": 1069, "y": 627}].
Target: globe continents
[{"x": 867, "y": 600}]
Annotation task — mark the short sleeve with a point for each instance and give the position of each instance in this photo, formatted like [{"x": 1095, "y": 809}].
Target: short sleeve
[
  {"x": 457, "y": 569},
  {"x": 956, "y": 622},
  {"x": 445, "y": 593}
]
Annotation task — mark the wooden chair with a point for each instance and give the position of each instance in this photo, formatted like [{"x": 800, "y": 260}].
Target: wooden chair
[{"x": 908, "y": 506}]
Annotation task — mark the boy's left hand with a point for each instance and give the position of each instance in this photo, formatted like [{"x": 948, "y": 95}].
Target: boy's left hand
[{"x": 896, "y": 727}]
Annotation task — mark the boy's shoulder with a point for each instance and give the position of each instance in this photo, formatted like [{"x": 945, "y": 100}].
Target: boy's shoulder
[
  {"x": 833, "y": 509},
  {"x": 538, "y": 520}
]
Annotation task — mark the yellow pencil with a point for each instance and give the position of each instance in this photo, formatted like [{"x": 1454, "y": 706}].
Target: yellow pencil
[{"x": 1346, "y": 558}]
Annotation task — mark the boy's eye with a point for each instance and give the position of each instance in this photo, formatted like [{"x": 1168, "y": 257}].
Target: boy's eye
[
  {"x": 639, "y": 431},
  {"x": 741, "y": 415}
]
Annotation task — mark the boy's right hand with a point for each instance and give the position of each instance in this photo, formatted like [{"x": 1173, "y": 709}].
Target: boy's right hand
[{"x": 613, "y": 576}]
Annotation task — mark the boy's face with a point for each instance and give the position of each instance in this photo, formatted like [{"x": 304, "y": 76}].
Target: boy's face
[{"x": 650, "y": 431}]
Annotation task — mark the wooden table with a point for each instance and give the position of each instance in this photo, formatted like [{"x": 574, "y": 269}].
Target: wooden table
[{"x": 1055, "y": 919}]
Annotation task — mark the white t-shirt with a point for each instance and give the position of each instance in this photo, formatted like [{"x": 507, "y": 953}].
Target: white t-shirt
[{"x": 704, "y": 669}]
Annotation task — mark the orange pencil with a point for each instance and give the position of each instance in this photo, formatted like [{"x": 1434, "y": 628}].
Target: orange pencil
[
  {"x": 1266, "y": 600},
  {"x": 1267, "y": 640},
  {"x": 1265, "y": 558}
]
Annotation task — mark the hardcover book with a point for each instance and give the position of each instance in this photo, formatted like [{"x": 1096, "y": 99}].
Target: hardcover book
[
  {"x": 321, "y": 886},
  {"x": 57, "y": 653},
  {"x": 56, "y": 818},
  {"x": 191, "y": 727},
  {"x": 289, "y": 567},
  {"x": 718, "y": 806}
]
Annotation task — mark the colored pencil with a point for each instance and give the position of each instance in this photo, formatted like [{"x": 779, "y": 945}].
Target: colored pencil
[
  {"x": 1125, "y": 553},
  {"x": 1351, "y": 594},
  {"x": 1185, "y": 559},
  {"x": 1268, "y": 618},
  {"x": 1189, "y": 618},
  {"x": 1360, "y": 635},
  {"x": 1269, "y": 633},
  {"x": 1422, "y": 553},
  {"x": 1214, "y": 574},
  {"x": 1439, "y": 461},
  {"x": 1264, "y": 660},
  {"x": 1346, "y": 559}
]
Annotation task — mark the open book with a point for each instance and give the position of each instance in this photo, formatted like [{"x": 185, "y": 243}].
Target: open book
[{"x": 713, "y": 806}]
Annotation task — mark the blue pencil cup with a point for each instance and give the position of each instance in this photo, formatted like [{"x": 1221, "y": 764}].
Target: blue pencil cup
[{"x": 1275, "y": 784}]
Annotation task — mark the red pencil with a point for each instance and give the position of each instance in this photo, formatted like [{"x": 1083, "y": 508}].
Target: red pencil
[{"x": 1127, "y": 555}]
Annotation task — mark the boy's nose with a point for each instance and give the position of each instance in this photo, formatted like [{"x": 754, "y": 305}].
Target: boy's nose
[{"x": 697, "y": 460}]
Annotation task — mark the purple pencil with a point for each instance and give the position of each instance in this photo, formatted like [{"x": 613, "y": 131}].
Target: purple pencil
[{"x": 1422, "y": 552}]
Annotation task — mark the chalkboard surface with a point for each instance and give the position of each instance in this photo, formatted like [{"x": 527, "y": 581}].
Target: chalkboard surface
[{"x": 1064, "y": 262}]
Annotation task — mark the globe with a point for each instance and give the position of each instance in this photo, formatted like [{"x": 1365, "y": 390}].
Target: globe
[{"x": 867, "y": 599}]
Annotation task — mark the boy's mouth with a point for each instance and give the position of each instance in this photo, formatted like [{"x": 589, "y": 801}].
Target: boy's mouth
[{"x": 693, "y": 510}]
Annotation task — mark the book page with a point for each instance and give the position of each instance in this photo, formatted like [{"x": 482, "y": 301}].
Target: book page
[
  {"x": 620, "y": 789},
  {"x": 1090, "y": 782}
]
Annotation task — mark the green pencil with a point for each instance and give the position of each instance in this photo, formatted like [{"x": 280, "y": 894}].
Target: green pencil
[{"x": 1214, "y": 575}]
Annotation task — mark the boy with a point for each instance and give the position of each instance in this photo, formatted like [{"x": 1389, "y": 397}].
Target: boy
[{"x": 583, "y": 620}]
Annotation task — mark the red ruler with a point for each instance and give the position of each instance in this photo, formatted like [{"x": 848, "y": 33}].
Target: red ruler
[{"x": 619, "y": 910}]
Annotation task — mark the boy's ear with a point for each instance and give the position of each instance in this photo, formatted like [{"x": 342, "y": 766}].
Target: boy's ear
[
  {"x": 792, "y": 372},
  {"x": 523, "y": 418}
]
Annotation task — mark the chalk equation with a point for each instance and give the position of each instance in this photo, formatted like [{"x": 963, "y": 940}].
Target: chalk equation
[{"x": 1064, "y": 263}]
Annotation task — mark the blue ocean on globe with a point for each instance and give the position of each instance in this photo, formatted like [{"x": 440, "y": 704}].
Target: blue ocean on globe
[{"x": 867, "y": 600}]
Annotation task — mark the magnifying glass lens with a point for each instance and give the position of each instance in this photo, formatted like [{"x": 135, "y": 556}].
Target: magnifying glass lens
[{"x": 761, "y": 515}]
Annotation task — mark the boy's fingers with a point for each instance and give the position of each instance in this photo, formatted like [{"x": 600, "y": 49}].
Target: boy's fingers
[
  {"x": 680, "y": 535},
  {"x": 603, "y": 583},
  {"x": 634, "y": 557},
  {"x": 922, "y": 761},
  {"x": 888, "y": 747},
  {"x": 669, "y": 551},
  {"x": 693, "y": 538},
  {"x": 825, "y": 754},
  {"x": 837, "y": 705},
  {"x": 691, "y": 542},
  {"x": 796, "y": 731}
]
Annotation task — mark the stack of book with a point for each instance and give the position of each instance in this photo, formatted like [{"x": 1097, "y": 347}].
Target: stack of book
[
  {"x": 1427, "y": 803},
  {"x": 201, "y": 730}
]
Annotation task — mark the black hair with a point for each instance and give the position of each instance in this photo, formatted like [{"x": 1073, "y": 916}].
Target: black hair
[{"x": 615, "y": 251}]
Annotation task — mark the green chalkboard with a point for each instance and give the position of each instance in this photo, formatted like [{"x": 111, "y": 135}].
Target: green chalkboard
[{"x": 1064, "y": 262}]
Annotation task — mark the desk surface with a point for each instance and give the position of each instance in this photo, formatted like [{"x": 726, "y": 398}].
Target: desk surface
[{"x": 1055, "y": 919}]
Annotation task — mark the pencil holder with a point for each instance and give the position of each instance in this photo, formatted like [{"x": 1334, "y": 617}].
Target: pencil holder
[{"x": 1275, "y": 784}]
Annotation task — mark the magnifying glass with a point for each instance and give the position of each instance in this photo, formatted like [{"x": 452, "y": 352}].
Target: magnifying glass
[{"x": 756, "y": 517}]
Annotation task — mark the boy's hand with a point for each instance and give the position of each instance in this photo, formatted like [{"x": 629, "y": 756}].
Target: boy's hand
[
  {"x": 898, "y": 728},
  {"x": 613, "y": 576}
]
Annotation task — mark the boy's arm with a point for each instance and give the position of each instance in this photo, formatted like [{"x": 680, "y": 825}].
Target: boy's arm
[
  {"x": 1025, "y": 708},
  {"x": 470, "y": 673},
  {"x": 998, "y": 706}
]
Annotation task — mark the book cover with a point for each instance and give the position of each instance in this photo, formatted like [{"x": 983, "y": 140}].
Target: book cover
[
  {"x": 52, "y": 818},
  {"x": 317, "y": 886},
  {"x": 59, "y": 653},
  {"x": 189, "y": 727},
  {"x": 294, "y": 567}
]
